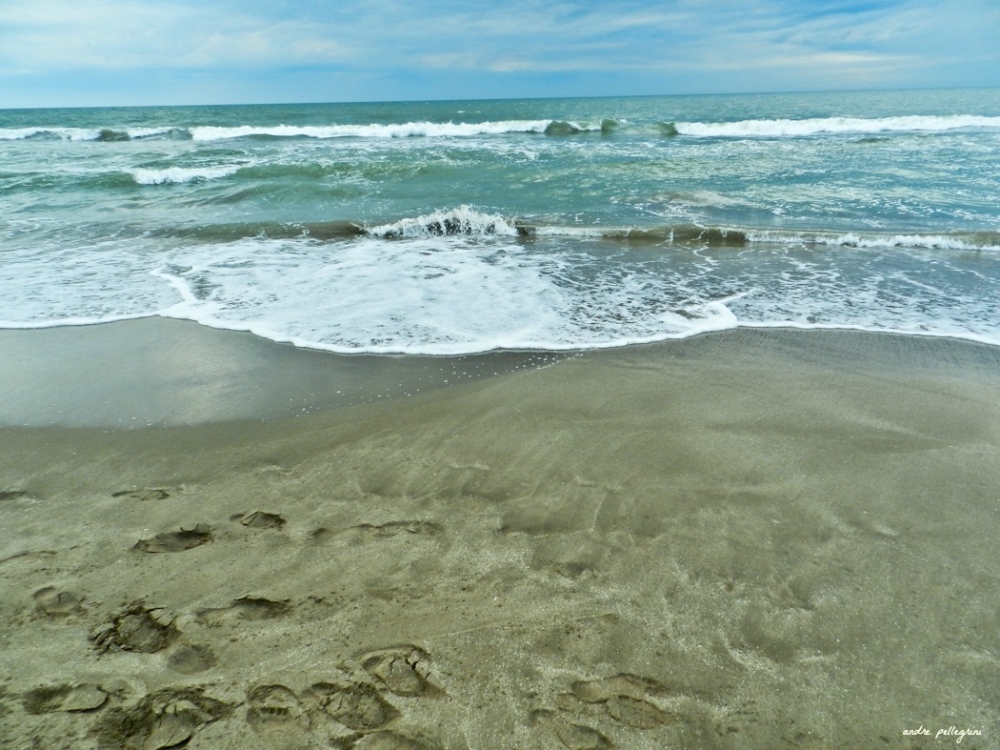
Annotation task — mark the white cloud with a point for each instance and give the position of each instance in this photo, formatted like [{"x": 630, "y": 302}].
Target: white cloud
[{"x": 56, "y": 34}]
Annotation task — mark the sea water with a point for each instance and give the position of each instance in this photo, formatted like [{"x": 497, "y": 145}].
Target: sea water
[{"x": 466, "y": 226}]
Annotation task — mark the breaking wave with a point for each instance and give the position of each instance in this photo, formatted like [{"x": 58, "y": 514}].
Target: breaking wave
[
  {"x": 401, "y": 130},
  {"x": 106, "y": 135},
  {"x": 551, "y": 127},
  {"x": 179, "y": 175},
  {"x": 50, "y": 134},
  {"x": 459, "y": 221},
  {"x": 709, "y": 236},
  {"x": 376, "y": 130},
  {"x": 469, "y": 222}
]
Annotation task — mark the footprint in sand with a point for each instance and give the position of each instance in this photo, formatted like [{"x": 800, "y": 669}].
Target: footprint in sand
[
  {"x": 150, "y": 493},
  {"x": 275, "y": 708},
  {"x": 138, "y": 629},
  {"x": 381, "y": 531},
  {"x": 390, "y": 741},
  {"x": 402, "y": 669},
  {"x": 244, "y": 608},
  {"x": 276, "y": 711},
  {"x": 572, "y": 736},
  {"x": 419, "y": 528},
  {"x": 258, "y": 519},
  {"x": 626, "y": 699},
  {"x": 356, "y": 706},
  {"x": 192, "y": 659},
  {"x": 69, "y": 698},
  {"x": 176, "y": 541},
  {"x": 166, "y": 719},
  {"x": 54, "y": 603}
]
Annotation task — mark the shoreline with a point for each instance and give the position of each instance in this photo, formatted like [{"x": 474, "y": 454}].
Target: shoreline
[
  {"x": 156, "y": 371},
  {"x": 166, "y": 371},
  {"x": 755, "y": 538}
]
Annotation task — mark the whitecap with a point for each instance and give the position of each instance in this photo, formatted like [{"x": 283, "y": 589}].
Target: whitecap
[
  {"x": 832, "y": 125},
  {"x": 400, "y": 130},
  {"x": 181, "y": 174}
]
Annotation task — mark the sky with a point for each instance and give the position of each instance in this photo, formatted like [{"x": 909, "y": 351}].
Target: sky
[{"x": 161, "y": 52}]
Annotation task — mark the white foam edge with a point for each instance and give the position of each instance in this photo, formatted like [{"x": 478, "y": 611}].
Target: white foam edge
[
  {"x": 68, "y": 134},
  {"x": 460, "y": 350},
  {"x": 870, "y": 242},
  {"x": 180, "y": 175},
  {"x": 833, "y": 125},
  {"x": 400, "y": 130},
  {"x": 477, "y": 222},
  {"x": 30, "y": 325}
]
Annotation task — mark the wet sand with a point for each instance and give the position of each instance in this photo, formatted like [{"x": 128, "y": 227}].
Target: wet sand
[{"x": 754, "y": 539}]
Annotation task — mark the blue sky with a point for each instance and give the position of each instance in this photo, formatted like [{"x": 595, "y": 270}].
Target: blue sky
[{"x": 139, "y": 52}]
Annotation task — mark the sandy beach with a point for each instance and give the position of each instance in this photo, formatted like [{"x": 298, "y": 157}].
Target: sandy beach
[{"x": 753, "y": 539}]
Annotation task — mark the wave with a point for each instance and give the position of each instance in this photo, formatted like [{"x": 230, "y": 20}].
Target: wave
[
  {"x": 873, "y": 241},
  {"x": 445, "y": 283},
  {"x": 833, "y": 125},
  {"x": 49, "y": 134},
  {"x": 692, "y": 234},
  {"x": 608, "y": 126},
  {"x": 376, "y": 130},
  {"x": 179, "y": 175},
  {"x": 469, "y": 222},
  {"x": 550, "y": 127},
  {"x": 317, "y": 230},
  {"x": 106, "y": 135},
  {"x": 709, "y": 236},
  {"x": 667, "y": 234},
  {"x": 403, "y": 130},
  {"x": 459, "y": 221}
]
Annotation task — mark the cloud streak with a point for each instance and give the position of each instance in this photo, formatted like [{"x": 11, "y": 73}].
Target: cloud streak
[{"x": 128, "y": 35}]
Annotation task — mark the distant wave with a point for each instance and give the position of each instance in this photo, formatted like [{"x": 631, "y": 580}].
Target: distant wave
[
  {"x": 108, "y": 135},
  {"x": 551, "y": 127},
  {"x": 49, "y": 134},
  {"x": 399, "y": 130},
  {"x": 775, "y": 128}
]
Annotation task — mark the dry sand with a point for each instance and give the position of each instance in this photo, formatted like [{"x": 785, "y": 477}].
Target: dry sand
[{"x": 755, "y": 539}]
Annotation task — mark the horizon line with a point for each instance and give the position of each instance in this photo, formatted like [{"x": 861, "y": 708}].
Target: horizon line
[{"x": 420, "y": 100}]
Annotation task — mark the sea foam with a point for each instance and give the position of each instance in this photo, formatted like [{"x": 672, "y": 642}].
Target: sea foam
[
  {"x": 438, "y": 293},
  {"x": 460, "y": 221},
  {"x": 181, "y": 174},
  {"x": 401, "y": 130},
  {"x": 449, "y": 295}
]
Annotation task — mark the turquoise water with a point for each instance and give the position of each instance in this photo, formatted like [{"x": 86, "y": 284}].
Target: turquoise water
[{"x": 450, "y": 227}]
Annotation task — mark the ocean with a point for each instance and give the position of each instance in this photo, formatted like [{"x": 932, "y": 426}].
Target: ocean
[{"x": 469, "y": 226}]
